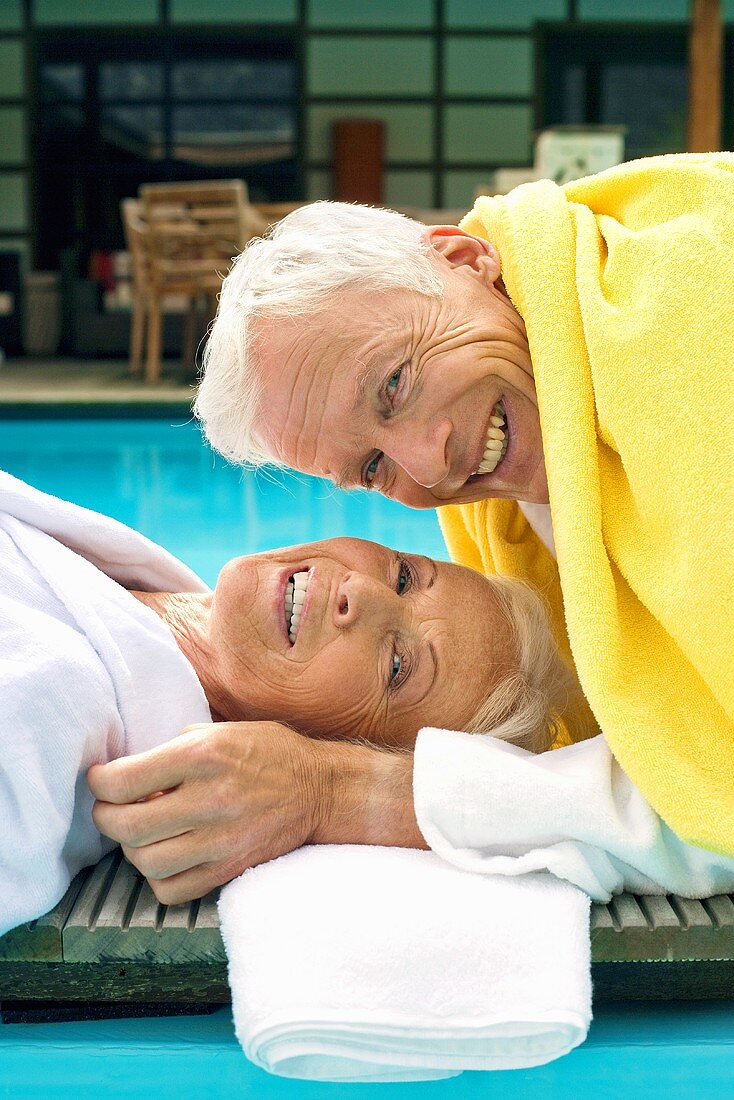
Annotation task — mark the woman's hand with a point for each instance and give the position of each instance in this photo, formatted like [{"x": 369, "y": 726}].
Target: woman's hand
[{"x": 198, "y": 811}]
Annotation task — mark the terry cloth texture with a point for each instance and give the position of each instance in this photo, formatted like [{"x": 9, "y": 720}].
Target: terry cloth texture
[
  {"x": 625, "y": 282},
  {"x": 354, "y": 963},
  {"x": 87, "y": 674}
]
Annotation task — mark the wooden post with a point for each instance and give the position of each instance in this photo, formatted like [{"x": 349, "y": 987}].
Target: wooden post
[{"x": 705, "y": 77}]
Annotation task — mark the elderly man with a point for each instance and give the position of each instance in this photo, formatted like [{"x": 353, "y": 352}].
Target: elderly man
[{"x": 566, "y": 347}]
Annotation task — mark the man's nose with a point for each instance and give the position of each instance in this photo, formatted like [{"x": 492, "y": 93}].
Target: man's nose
[
  {"x": 421, "y": 450},
  {"x": 363, "y": 599}
]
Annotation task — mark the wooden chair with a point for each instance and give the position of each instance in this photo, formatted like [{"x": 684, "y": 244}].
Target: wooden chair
[
  {"x": 137, "y": 244},
  {"x": 192, "y": 232}
]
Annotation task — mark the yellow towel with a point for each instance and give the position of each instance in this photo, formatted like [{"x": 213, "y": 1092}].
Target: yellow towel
[{"x": 625, "y": 282}]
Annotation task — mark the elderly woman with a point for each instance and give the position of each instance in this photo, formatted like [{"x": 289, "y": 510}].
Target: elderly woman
[
  {"x": 563, "y": 361},
  {"x": 109, "y": 647}
]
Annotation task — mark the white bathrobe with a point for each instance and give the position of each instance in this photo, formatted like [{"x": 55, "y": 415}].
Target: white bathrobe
[{"x": 87, "y": 674}]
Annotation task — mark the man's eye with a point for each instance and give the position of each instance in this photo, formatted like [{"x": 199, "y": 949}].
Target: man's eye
[
  {"x": 392, "y": 384},
  {"x": 371, "y": 472},
  {"x": 405, "y": 577}
]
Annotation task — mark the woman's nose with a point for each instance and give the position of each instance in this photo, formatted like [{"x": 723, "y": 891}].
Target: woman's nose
[
  {"x": 362, "y": 599},
  {"x": 422, "y": 450}
]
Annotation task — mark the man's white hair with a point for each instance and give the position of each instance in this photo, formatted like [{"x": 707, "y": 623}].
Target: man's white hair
[{"x": 302, "y": 266}]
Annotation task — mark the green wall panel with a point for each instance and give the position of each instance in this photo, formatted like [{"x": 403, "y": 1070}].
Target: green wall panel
[
  {"x": 459, "y": 187},
  {"x": 354, "y": 65},
  {"x": 11, "y": 67},
  {"x": 11, "y": 15},
  {"x": 634, "y": 11},
  {"x": 409, "y": 129},
  {"x": 86, "y": 12},
  {"x": 494, "y": 134},
  {"x": 409, "y": 189},
  {"x": 489, "y": 66},
  {"x": 502, "y": 13},
  {"x": 234, "y": 11},
  {"x": 12, "y": 135},
  {"x": 318, "y": 185},
  {"x": 375, "y": 13},
  {"x": 13, "y": 200}
]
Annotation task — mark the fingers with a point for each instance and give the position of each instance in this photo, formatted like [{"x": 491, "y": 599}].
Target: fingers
[
  {"x": 185, "y": 867},
  {"x": 132, "y": 777},
  {"x": 139, "y": 823}
]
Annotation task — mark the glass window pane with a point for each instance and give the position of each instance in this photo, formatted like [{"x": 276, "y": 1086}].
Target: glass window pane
[
  {"x": 11, "y": 15},
  {"x": 634, "y": 11},
  {"x": 489, "y": 66},
  {"x": 12, "y": 135},
  {"x": 234, "y": 11},
  {"x": 520, "y": 13},
  {"x": 491, "y": 134},
  {"x": 378, "y": 13},
  {"x": 459, "y": 187},
  {"x": 79, "y": 12},
  {"x": 137, "y": 131},
  {"x": 232, "y": 80},
  {"x": 651, "y": 101},
  {"x": 11, "y": 68},
  {"x": 409, "y": 189},
  {"x": 62, "y": 81},
  {"x": 233, "y": 135},
  {"x": 350, "y": 65},
  {"x": 13, "y": 200},
  {"x": 131, "y": 80}
]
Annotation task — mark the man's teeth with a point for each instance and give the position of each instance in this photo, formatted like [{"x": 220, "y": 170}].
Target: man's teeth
[
  {"x": 496, "y": 442},
  {"x": 295, "y": 595}
]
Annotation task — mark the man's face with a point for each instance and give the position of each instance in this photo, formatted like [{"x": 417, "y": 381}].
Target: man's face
[{"x": 429, "y": 401}]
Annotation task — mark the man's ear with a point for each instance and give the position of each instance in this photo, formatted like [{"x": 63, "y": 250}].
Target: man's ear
[{"x": 460, "y": 249}]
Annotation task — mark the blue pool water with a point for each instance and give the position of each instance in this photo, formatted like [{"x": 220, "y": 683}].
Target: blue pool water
[{"x": 158, "y": 478}]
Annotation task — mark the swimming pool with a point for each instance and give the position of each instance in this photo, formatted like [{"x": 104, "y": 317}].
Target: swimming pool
[{"x": 157, "y": 477}]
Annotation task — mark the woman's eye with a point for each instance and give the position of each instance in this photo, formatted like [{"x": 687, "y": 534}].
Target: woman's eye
[
  {"x": 371, "y": 472},
  {"x": 397, "y": 664},
  {"x": 392, "y": 383}
]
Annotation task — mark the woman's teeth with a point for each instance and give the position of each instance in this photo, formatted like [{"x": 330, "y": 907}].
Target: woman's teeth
[
  {"x": 295, "y": 595},
  {"x": 496, "y": 442}
]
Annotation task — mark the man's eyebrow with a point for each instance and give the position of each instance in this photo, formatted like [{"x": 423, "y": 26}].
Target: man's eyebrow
[{"x": 434, "y": 573}]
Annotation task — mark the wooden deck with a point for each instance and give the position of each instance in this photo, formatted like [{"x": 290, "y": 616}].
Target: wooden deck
[{"x": 109, "y": 940}]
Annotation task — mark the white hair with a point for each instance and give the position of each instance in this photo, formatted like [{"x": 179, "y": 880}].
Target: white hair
[
  {"x": 540, "y": 694},
  {"x": 302, "y": 266}
]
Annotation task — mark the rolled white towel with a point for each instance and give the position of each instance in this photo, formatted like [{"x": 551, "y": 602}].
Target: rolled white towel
[{"x": 352, "y": 963}]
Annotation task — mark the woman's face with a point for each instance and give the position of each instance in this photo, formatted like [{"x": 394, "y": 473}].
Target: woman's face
[{"x": 386, "y": 642}]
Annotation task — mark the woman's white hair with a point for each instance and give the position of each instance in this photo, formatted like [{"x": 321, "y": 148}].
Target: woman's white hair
[
  {"x": 540, "y": 694},
  {"x": 302, "y": 266}
]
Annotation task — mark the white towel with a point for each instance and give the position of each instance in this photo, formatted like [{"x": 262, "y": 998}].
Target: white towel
[
  {"x": 386, "y": 964},
  {"x": 87, "y": 673}
]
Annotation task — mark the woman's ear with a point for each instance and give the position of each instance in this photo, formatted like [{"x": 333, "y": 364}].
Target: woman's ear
[{"x": 460, "y": 249}]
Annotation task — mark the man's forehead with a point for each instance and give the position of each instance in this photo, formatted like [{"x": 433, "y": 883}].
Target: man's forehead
[{"x": 316, "y": 378}]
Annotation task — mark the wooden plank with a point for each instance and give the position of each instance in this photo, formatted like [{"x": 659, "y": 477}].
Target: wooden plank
[
  {"x": 207, "y": 983},
  {"x": 114, "y": 981},
  {"x": 663, "y": 929},
  {"x": 124, "y": 922},
  {"x": 76, "y": 940},
  {"x": 41, "y": 939}
]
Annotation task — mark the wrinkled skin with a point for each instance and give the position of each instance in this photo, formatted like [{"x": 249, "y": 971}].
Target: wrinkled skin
[{"x": 393, "y": 391}]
